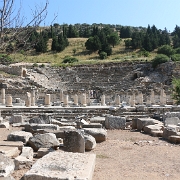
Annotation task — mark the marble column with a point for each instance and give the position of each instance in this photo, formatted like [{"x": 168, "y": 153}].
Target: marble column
[
  {"x": 33, "y": 98},
  {"x": 140, "y": 97},
  {"x": 132, "y": 101},
  {"x": 83, "y": 100},
  {"x": 28, "y": 99},
  {"x": 9, "y": 101},
  {"x": 47, "y": 100},
  {"x": 162, "y": 97},
  {"x": 152, "y": 97},
  {"x": 3, "y": 96},
  {"x": 61, "y": 96},
  {"x": 76, "y": 100},
  {"x": 103, "y": 100},
  {"x": 65, "y": 100}
]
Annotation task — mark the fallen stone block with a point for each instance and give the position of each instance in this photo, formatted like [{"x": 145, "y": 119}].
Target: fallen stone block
[
  {"x": 157, "y": 133},
  {"x": 9, "y": 151},
  {"x": 6, "y": 166},
  {"x": 43, "y": 151},
  {"x": 34, "y": 127},
  {"x": 18, "y": 144},
  {"x": 98, "y": 119},
  {"x": 27, "y": 152},
  {"x": 19, "y": 136},
  {"x": 149, "y": 128},
  {"x": 43, "y": 141},
  {"x": 16, "y": 119},
  {"x": 59, "y": 123},
  {"x": 4, "y": 125},
  {"x": 90, "y": 142},
  {"x": 22, "y": 162},
  {"x": 41, "y": 119},
  {"x": 92, "y": 125},
  {"x": 174, "y": 139},
  {"x": 74, "y": 141},
  {"x": 169, "y": 131},
  {"x": 171, "y": 121},
  {"x": 142, "y": 122},
  {"x": 98, "y": 133},
  {"x": 115, "y": 122},
  {"x": 62, "y": 165}
]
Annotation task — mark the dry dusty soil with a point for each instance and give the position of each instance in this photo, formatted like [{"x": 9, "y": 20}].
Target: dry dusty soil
[{"x": 130, "y": 155}]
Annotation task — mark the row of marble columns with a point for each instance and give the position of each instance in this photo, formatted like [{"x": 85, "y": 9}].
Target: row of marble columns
[{"x": 132, "y": 99}]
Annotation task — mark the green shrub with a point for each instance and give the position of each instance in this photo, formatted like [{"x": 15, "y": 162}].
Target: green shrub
[
  {"x": 68, "y": 59},
  {"x": 35, "y": 65},
  {"x": 177, "y": 50},
  {"x": 175, "y": 57},
  {"x": 5, "y": 59},
  {"x": 159, "y": 59},
  {"x": 166, "y": 49},
  {"x": 103, "y": 55}
]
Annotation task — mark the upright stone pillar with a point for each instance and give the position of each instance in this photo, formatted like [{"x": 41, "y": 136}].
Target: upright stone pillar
[
  {"x": 3, "y": 96},
  {"x": 65, "y": 100},
  {"x": 33, "y": 98},
  {"x": 117, "y": 100},
  {"x": 28, "y": 99},
  {"x": 61, "y": 96},
  {"x": 140, "y": 98},
  {"x": 103, "y": 100},
  {"x": 83, "y": 100},
  {"x": 132, "y": 101},
  {"x": 162, "y": 97},
  {"x": 152, "y": 97},
  {"x": 9, "y": 101},
  {"x": 148, "y": 102},
  {"x": 47, "y": 100},
  {"x": 76, "y": 100}
]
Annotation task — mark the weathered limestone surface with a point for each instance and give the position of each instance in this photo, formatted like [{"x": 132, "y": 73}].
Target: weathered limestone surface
[
  {"x": 74, "y": 141},
  {"x": 6, "y": 166},
  {"x": 19, "y": 136},
  {"x": 149, "y": 128},
  {"x": 4, "y": 125},
  {"x": 63, "y": 165},
  {"x": 115, "y": 122},
  {"x": 9, "y": 151},
  {"x": 27, "y": 152},
  {"x": 174, "y": 139},
  {"x": 43, "y": 151},
  {"x": 22, "y": 162},
  {"x": 16, "y": 119},
  {"x": 157, "y": 133},
  {"x": 169, "y": 131},
  {"x": 41, "y": 119},
  {"x": 171, "y": 120},
  {"x": 142, "y": 122},
  {"x": 43, "y": 141},
  {"x": 18, "y": 144},
  {"x": 90, "y": 142},
  {"x": 98, "y": 133}
]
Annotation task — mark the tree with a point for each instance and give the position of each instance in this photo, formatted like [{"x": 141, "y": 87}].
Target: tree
[
  {"x": 93, "y": 43},
  {"x": 12, "y": 23},
  {"x": 159, "y": 59},
  {"x": 166, "y": 49},
  {"x": 113, "y": 39}
]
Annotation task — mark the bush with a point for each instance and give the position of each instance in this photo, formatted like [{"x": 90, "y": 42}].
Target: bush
[
  {"x": 175, "y": 57},
  {"x": 159, "y": 59},
  {"x": 103, "y": 55},
  {"x": 5, "y": 59},
  {"x": 166, "y": 49},
  {"x": 177, "y": 50},
  {"x": 70, "y": 60},
  {"x": 35, "y": 65}
]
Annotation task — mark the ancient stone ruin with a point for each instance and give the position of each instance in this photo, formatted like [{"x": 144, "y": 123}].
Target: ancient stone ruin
[{"x": 63, "y": 113}]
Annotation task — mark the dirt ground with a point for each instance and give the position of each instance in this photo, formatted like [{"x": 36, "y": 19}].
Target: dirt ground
[{"x": 130, "y": 155}]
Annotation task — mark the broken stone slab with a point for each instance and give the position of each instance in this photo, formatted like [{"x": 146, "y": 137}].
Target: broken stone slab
[
  {"x": 169, "y": 131},
  {"x": 90, "y": 142},
  {"x": 4, "y": 125},
  {"x": 98, "y": 133},
  {"x": 142, "y": 122},
  {"x": 43, "y": 151},
  {"x": 27, "y": 152},
  {"x": 34, "y": 127},
  {"x": 74, "y": 141},
  {"x": 62, "y": 165},
  {"x": 92, "y": 125},
  {"x": 18, "y": 144},
  {"x": 22, "y": 162},
  {"x": 9, "y": 151},
  {"x": 43, "y": 141},
  {"x": 59, "y": 123},
  {"x": 16, "y": 119},
  {"x": 19, "y": 136},
  {"x": 41, "y": 119},
  {"x": 157, "y": 133},
  {"x": 171, "y": 120},
  {"x": 149, "y": 128},
  {"x": 98, "y": 119},
  {"x": 174, "y": 139},
  {"x": 6, "y": 166},
  {"x": 115, "y": 122}
]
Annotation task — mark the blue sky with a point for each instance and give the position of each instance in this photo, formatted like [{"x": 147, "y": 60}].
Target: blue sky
[{"x": 161, "y": 13}]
